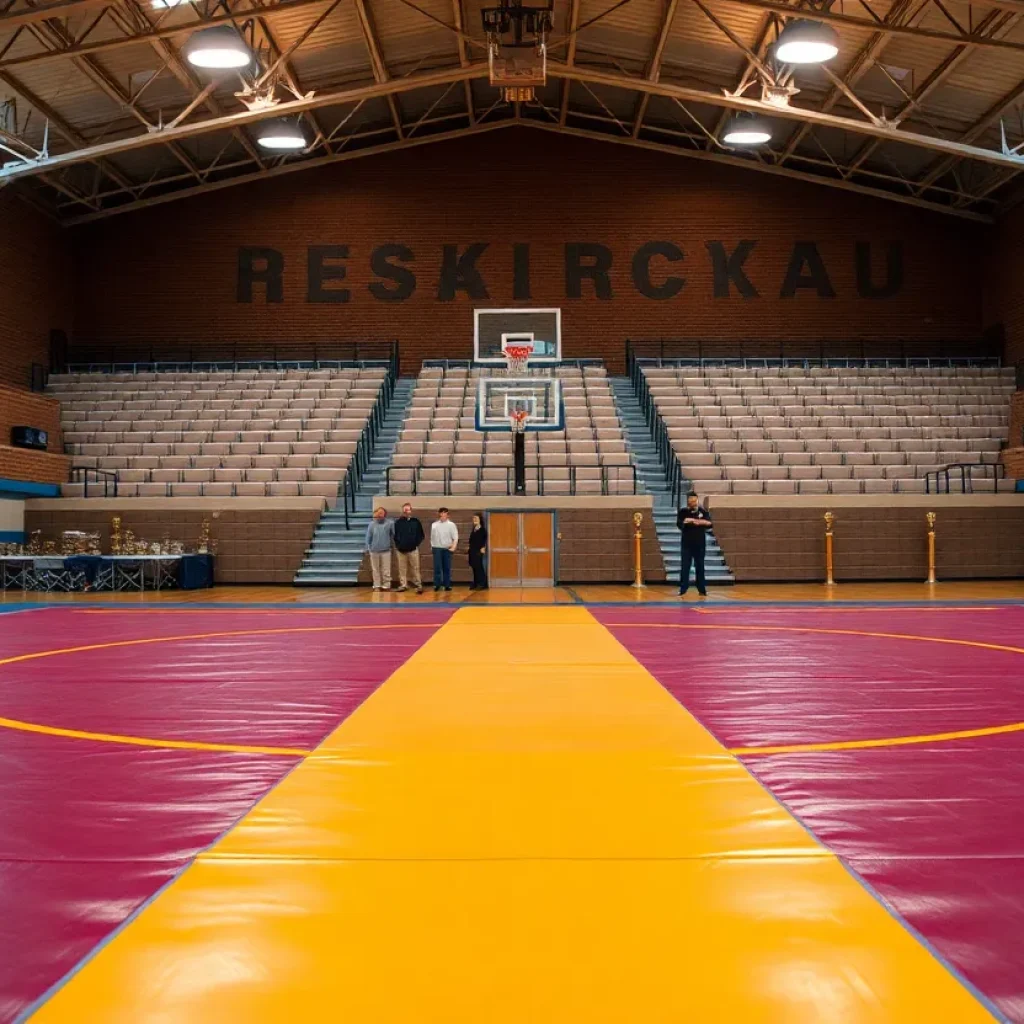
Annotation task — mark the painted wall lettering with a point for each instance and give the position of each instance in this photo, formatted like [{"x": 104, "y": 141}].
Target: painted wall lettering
[
  {"x": 866, "y": 287},
  {"x": 459, "y": 273},
  {"x": 877, "y": 269},
  {"x": 727, "y": 268},
  {"x": 259, "y": 264},
  {"x": 642, "y": 270},
  {"x": 598, "y": 263},
  {"x": 325, "y": 263},
  {"x": 404, "y": 280},
  {"x": 806, "y": 270}
]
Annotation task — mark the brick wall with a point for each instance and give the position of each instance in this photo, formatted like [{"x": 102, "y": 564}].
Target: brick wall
[
  {"x": 254, "y": 545},
  {"x": 36, "y": 290},
  {"x": 1004, "y": 282},
  {"x": 785, "y": 539},
  {"x": 25, "y": 409},
  {"x": 180, "y": 281}
]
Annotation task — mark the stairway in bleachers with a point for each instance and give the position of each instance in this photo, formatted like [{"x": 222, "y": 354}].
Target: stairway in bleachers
[
  {"x": 336, "y": 552},
  {"x": 651, "y": 480}
]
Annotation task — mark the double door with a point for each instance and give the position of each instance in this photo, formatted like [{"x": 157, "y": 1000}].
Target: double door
[{"x": 521, "y": 549}]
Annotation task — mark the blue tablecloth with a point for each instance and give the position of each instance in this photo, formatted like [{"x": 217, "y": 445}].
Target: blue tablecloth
[{"x": 195, "y": 572}]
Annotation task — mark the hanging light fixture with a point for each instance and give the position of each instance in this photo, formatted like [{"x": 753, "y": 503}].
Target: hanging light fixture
[
  {"x": 807, "y": 42},
  {"x": 281, "y": 133},
  {"x": 218, "y": 47},
  {"x": 746, "y": 130}
]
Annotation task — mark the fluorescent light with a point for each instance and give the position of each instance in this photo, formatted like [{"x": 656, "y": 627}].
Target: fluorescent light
[
  {"x": 746, "y": 130},
  {"x": 281, "y": 133},
  {"x": 807, "y": 42},
  {"x": 219, "y": 47}
]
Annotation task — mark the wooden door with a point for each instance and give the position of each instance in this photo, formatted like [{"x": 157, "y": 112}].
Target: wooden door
[
  {"x": 503, "y": 549},
  {"x": 520, "y": 547},
  {"x": 538, "y": 555}
]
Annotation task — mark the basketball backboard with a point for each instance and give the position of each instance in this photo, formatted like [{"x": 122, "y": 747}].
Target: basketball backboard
[
  {"x": 493, "y": 329},
  {"x": 540, "y": 397}
]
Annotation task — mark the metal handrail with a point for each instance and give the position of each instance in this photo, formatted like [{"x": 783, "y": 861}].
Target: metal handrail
[
  {"x": 767, "y": 352},
  {"x": 150, "y": 357},
  {"x": 446, "y": 478},
  {"x": 675, "y": 477},
  {"x": 966, "y": 470},
  {"x": 81, "y": 474}
]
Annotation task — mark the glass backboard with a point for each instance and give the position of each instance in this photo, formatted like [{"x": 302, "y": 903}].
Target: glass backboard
[
  {"x": 495, "y": 328},
  {"x": 539, "y": 396}
]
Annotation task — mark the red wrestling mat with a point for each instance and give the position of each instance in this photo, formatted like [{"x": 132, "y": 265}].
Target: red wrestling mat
[
  {"x": 90, "y": 828},
  {"x": 931, "y": 821}
]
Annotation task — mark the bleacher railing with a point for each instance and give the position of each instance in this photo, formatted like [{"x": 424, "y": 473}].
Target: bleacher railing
[
  {"x": 367, "y": 440},
  {"x": 280, "y": 355},
  {"x": 993, "y": 471},
  {"x": 677, "y": 480},
  {"x": 103, "y": 481},
  {"x": 759, "y": 352},
  {"x": 610, "y": 475}
]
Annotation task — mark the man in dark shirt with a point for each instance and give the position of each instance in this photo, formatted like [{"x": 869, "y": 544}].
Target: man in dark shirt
[
  {"x": 694, "y": 523},
  {"x": 408, "y": 537}
]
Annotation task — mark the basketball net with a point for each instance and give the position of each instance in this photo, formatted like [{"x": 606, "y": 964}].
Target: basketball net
[
  {"x": 517, "y": 419},
  {"x": 517, "y": 358}
]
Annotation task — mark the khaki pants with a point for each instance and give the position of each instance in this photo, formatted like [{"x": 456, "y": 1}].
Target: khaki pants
[
  {"x": 380, "y": 563},
  {"x": 409, "y": 560}
]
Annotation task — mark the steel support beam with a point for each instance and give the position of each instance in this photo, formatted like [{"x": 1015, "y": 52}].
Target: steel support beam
[
  {"x": 996, "y": 21},
  {"x": 292, "y": 167},
  {"x": 982, "y": 125},
  {"x": 165, "y": 32},
  {"x": 570, "y": 56},
  {"x": 861, "y": 64},
  {"x": 746, "y": 164},
  {"x": 61, "y": 9},
  {"x": 833, "y": 17},
  {"x": 355, "y": 94},
  {"x": 463, "y": 57},
  {"x": 380, "y": 70},
  {"x": 654, "y": 66},
  {"x": 591, "y": 77}
]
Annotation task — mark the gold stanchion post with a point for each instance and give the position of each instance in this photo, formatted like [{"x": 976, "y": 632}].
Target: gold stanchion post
[
  {"x": 638, "y": 567},
  {"x": 931, "y": 517},
  {"x": 829, "y": 520}
]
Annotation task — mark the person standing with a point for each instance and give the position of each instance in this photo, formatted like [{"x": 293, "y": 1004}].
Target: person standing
[
  {"x": 444, "y": 539},
  {"x": 408, "y": 537},
  {"x": 693, "y": 522},
  {"x": 379, "y": 535},
  {"x": 477, "y": 550}
]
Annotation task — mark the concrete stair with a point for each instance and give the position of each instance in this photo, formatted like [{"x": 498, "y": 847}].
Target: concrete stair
[
  {"x": 336, "y": 551},
  {"x": 650, "y": 471}
]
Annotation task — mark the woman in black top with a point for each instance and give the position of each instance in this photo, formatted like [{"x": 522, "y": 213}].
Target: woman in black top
[{"x": 477, "y": 550}]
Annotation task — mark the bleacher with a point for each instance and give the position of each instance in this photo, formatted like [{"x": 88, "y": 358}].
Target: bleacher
[
  {"x": 823, "y": 430},
  {"x": 440, "y": 451},
  {"x": 246, "y": 433}
]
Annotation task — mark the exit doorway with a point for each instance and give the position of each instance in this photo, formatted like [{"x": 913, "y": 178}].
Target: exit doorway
[{"x": 521, "y": 549}]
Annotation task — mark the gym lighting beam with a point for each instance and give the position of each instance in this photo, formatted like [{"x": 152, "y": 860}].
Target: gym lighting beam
[
  {"x": 217, "y": 48},
  {"x": 807, "y": 42}
]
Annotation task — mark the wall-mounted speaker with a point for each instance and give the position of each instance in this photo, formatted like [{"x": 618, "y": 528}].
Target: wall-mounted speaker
[{"x": 28, "y": 437}]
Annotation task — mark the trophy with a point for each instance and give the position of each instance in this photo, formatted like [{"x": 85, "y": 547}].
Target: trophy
[{"x": 115, "y": 535}]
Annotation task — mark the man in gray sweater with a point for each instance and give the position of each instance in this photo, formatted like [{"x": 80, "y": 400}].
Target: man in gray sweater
[{"x": 379, "y": 535}]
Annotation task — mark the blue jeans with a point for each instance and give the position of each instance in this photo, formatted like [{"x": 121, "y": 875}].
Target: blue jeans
[
  {"x": 442, "y": 567},
  {"x": 696, "y": 557}
]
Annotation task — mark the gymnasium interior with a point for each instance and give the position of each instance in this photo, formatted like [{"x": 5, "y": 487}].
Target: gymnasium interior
[{"x": 511, "y": 511}]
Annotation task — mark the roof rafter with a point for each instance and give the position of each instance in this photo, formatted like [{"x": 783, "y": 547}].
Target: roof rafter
[
  {"x": 380, "y": 70},
  {"x": 654, "y": 66}
]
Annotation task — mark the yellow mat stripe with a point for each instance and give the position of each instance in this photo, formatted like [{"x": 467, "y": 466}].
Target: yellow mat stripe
[{"x": 520, "y": 825}]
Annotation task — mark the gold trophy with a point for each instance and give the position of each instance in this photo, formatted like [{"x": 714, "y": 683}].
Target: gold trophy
[
  {"x": 829, "y": 520},
  {"x": 115, "y": 535},
  {"x": 931, "y": 517}
]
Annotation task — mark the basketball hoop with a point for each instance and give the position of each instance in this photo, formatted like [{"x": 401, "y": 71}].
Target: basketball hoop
[
  {"x": 517, "y": 419},
  {"x": 517, "y": 357}
]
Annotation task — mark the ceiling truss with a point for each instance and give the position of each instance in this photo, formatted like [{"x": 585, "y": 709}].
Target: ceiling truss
[{"x": 89, "y": 183}]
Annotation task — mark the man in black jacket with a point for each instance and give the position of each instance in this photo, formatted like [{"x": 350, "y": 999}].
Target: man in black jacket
[
  {"x": 694, "y": 523},
  {"x": 408, "y": 537}
]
